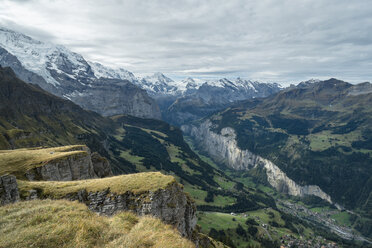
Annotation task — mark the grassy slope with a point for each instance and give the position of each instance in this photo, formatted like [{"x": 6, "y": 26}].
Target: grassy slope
[
  {"x": 136, "y": 183},
  {"x": 229, "y": 223},
  {"x": 69, "y": 224},
  {"x": 18, "y": 161}
]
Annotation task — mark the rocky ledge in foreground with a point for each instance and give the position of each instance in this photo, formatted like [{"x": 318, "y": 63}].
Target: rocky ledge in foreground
[
  {"x": 66, "y": 224},
  {"x": 143, "y": 193}
]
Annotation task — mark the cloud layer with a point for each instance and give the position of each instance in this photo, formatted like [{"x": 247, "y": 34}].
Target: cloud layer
[{"x": 284, "y": 41}]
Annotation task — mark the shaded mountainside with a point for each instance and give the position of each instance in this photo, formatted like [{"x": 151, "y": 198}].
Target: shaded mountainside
[
  {"x": 317, "y": 134},
  {"x": 31, "y": 117},
  {"x": 66, "y": 74}
]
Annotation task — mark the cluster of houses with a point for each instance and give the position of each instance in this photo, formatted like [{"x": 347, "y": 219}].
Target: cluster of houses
[{"x": 318, "y": 242}]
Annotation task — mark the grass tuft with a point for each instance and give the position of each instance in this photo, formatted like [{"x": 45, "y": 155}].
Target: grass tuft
[{"x": 66, "y": 224}]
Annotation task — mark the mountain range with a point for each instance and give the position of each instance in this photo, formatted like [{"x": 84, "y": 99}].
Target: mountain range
[
  {"x": 111, "y": 91},
  {"x": 67, "y": 74}
]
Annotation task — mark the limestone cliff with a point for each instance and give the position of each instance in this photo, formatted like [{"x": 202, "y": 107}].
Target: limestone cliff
[{"x": 223, "y": 148}]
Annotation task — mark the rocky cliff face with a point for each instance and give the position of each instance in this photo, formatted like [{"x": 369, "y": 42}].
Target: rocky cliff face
[
  {"x": 101, "y": 165},
  {"x": 113, "y": 97},
  {"x": 223, "y": 148},
  {"x": 73, "y": 167},
  {"x": 170, "y": 205},
  {"x": 8, "y": 189}
]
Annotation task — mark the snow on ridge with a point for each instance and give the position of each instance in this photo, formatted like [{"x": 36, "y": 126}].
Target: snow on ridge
[
  {"x": 158, "y": 77},
  {"x": 103, "y": 71},
  {"x": 23, "y": 47},
  {"x": 40, "y": 57}
]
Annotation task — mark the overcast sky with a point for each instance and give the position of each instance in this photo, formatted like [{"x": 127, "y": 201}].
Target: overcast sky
[{"x": 269, "y": 40}]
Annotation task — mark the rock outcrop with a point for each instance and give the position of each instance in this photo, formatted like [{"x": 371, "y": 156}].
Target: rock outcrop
[
  {"x": 171, "y": 205},
  {"x": 161, "y": 197},
  {"x": 8, "y": 189},
  {"x": 224, "y": 149},
  {"x": 72, "y": 167},
  {"x": 101, "y": 165}
]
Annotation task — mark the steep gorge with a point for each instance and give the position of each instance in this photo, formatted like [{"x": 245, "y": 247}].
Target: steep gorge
[{"x": 223, "y": 149}]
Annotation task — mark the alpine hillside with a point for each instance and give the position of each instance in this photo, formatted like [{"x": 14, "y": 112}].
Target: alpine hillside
[{"x": 313, "y": 139}]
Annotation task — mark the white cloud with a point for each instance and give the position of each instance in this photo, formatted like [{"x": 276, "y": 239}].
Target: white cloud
[{"x": 285, "y": 40}]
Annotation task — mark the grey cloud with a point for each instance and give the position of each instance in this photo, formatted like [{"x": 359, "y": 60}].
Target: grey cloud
[{"x": 271, "y": 40}]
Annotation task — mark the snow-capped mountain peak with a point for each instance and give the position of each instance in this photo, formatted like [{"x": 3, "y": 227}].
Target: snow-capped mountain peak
[
  {"x": 159, "y": 85},
  {"x": 159, "y": 78},
  {"x": 58, "y": 65},
  {"x": 101, "y": 71},
  {"x": 44, "y": 58},
  {"x": 190, "y": 83},
  {"x": 308, "y": 82}
]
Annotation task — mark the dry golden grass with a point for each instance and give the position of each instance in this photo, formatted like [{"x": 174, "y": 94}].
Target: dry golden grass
[
  {"x": 136, "y": 183},
  {"x": 66, "y": 224},
  {"x": 18, "y": 161}
]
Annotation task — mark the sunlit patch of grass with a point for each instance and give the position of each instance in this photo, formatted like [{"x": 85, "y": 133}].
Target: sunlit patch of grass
[
  {"x": 127, "y": 155},
  {"x": 324, "y": 140},
  {"x": 199, "y": 196},
  {"x": 342, "y": 217}
]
